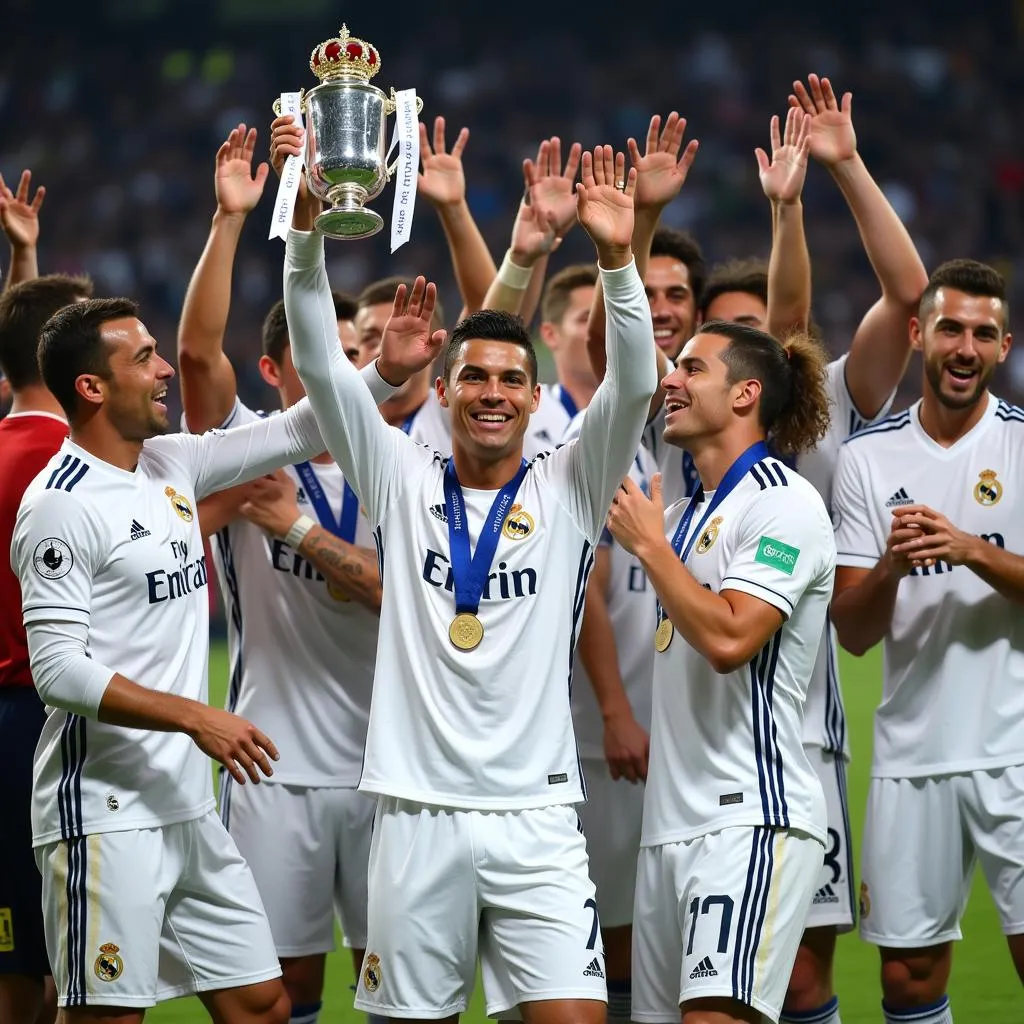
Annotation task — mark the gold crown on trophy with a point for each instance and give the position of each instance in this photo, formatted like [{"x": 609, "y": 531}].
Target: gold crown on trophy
[{"x": 344, "y": 57}]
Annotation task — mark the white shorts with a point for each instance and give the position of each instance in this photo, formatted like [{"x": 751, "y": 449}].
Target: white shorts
[
  {"x": 304, "y": 845},
  {"x": 833, "y": 902},
  {"x": 922, "y": 838},
  {"x": 134, "y": 918},
  {"x": 446, "y": 885},
  {"x": 611, "y": 818},
  {"x": 721, "y": 916}
]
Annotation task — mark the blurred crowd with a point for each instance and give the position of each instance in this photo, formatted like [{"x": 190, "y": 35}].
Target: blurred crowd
[{"x": 124, "y": 138}]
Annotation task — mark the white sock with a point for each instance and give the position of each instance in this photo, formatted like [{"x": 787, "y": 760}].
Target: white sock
[
  {"x": 827, "y": 1014},
  {"x": 305, "y": 1014},
  {"x": 936, "y": 1013}
]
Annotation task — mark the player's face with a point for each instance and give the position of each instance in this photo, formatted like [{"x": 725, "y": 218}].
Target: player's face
[
  {"x": 568, "y": 337},
  {"x": 961, "y": 340},
  {"x": 491, "y": 396},
  {"x": 673, "y": 304},
  {"x": 284, "y": 377},
  {"x": 699, "y": 399},
  {"x": 740, "y": 308},
  {"x": 134, "y": 393}
]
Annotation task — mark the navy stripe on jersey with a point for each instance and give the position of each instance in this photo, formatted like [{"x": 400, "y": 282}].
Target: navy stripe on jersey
[
  {"x": 1009, "y": 413},
  {"x": 769, "y": 473},
  {"x": 226, "y": 779},
  {"x": 67, "y": 474},
  {"x": 235, "y": 608},
  {"x": 579, "y": 601},
  {"x": 753, "y": 906},
  {"x": 767, "y": 751},
  {"x": 378, "y": 543},
  {"x": 69, "y": 789},
  {"x": 890, "y": 423},
  {"x": 835, "y": 713},
  {"x": 840, "y": 767},
  {"x": 63, "y": 465},
  {"x": 77, "y": 923}
]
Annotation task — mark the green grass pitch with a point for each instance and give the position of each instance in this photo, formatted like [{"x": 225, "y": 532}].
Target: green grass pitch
[{"x": 983, "y": 988}]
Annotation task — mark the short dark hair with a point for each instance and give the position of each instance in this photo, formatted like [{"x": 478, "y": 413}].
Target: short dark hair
[
  {"x": 378, "y": 292},
  {"x": 682, "y": 246},
  {"x": 748, "y": 276},
  {"x": 560, "y": 287},
  {"x": 275, "y": 325},
  {"x": 24, "y": 308},
  {"x": 970, "y": 277},
  {"x": 490, "y": 325},
  {"x": 71, "y": 344},
  {"x": 794, "y": 406}
]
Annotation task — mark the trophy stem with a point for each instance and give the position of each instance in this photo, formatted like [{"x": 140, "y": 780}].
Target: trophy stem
[{"x": 347, "y": 218}]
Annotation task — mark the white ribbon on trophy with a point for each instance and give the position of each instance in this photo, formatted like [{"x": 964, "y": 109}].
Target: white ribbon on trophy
[
  {"x": 407, "y": 134},
  {"x": 291, "y": 174}
]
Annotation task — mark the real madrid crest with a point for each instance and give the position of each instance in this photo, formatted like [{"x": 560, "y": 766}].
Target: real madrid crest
[
  {"x": 372, "y": 976},
  {"x": 865, "y": 900},
  {"x": 709, "y": 536},
  {"x": 988, "y": 490},
  {"x": 181, "y": 505},
  {"x": 108, "y": 965},
  {"x": 518, "y": 524}
]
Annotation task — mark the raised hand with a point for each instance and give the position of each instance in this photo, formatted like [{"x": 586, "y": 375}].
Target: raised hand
[
  {"x": 408, "y": 344},
  {"x": 833, "y": 139},
  {"x": 604, "y": 203},
  {"x": 19, "y": 218},
  {"x": 661, "y": 171},
  {"x": 533, "y": 235},
  {"x": 782, "y": 177},
  {"x": 238, "y": 190},
  {"x": 550, "y": 189},
  {"x": 636, "y": 521},
  {"x": 443, "y": 181}
]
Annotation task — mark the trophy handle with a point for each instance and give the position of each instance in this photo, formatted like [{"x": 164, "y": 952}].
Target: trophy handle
[
  {"x": 276, "y": 105},
  {"x": 390, "y": 105}
]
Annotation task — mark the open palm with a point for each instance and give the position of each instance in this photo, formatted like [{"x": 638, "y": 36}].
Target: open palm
[
  {"x": 238, "y": 190},
  {"x": 661, "y": 171},
  {"x": 552, "y": 191},
  {"x": 604, "y": 210},
  {"x": 833, "y": 139},
  {"x": 782, "y": 177},
  {"x": 443, "y": 180},
  {"x": 19, "y": 217},
  {"x": 408, "y": 341}
]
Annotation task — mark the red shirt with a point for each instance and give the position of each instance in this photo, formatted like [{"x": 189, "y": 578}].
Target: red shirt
[{"x": 28, "y": 441}]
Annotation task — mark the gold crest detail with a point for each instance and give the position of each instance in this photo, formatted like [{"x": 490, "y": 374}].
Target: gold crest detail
[
  {"x": 518, "y": 524},
  {"x": 372, "y": 975},
  {"x": 108, "y": 965},
  {"x": 865, "y": 900},
  {"x": 181, "y": 505},
  {"x": 988, "y": 490},
  {"x": 709, "y": 536}
]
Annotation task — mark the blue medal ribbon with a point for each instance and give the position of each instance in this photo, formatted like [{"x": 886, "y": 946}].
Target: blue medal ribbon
[
  {"x": 469, "y": 572},
  {"x": 567, "y": 403},
  {"x": 345, "y": 525},
  {"x": 736, "y": 472}
]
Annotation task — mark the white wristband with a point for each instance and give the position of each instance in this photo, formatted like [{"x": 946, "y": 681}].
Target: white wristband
[
  {"x": 514, "y": 276},
  {"x": 297, "y": 532}
]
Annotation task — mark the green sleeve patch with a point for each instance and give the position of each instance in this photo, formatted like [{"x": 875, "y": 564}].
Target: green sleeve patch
[{"x": 778, "y": 555}]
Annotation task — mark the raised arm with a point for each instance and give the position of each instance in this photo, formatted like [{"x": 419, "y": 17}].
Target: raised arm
[
  {"x": 19, "y": 219},
  {"x": 442, "y": 183},
  {"x": 789, "y": 267},
  {"x": 881, "y": 347},
  {"x": 208, "y": 388},
  {"x": 611, "y": 430}
]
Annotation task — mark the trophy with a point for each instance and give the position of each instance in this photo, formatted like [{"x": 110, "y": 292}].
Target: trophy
[{"x": 345, "y": 135}]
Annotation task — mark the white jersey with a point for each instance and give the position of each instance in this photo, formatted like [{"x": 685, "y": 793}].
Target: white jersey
[
  {"x": 727, "y": 749},
  {"x": 632, "y": 608},
  {"x": 120, "y": 553},
  {"x": 488, "y": 728},
  {"x": 431, "y": 424},
  {"x": 301, "y": 655},
  {"x": 953, "y": 694}
]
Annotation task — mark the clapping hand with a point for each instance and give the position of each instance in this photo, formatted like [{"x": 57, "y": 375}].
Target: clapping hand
[
  {"x": 238, "y": 190},
  {"x": 19, "y": 217},
  {"x": 782, "y": 177},
  {"x": 661, "y": 171},
  {"x": 833, "y": 139},
  {"x": 604, "y": 204},
  {"x": 408, "y": 344},
  {"x": 443, "y": 181}
]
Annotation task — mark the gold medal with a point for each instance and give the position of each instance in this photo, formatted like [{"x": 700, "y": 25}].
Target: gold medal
[
  {"x": 337, "y": 593},
  {"x": 466, "y": 631},
  {"x": 663, "y": 635}
]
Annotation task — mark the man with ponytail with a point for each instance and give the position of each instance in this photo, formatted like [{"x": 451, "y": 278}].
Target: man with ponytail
[{"x": 734, "y": 825}]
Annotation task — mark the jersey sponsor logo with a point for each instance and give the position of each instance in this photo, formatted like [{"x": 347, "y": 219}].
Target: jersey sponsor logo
[
  {"x": 372, "y": 974},
  {"x": 705, "y": 969},
  {"x": 6, "y": 930},
  {"x": 778, "y": 555},
  {"x": 108, "y": 966},
  {"x": 826, "y": 894},
  {"x": 709, "y": 536},
  {"x": 138, "y": 531},
  {"x": 164, "y": 585},
  {"x": 181, "y": 505},
  {"x": 988, "y": 490},
  {"x": 438, "y": 511},
  {"x": 437, "y": 571},
  {"x": 52, "y": 558},
  {"x": 518, "y": 524},
  {"x": 899, "y": 498}
]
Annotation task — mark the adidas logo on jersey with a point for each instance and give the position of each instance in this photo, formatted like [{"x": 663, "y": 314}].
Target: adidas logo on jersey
[
  {"x": 826, "y": 894},
  {"x": 439, "y": 512},
  {"x": 705, "y": 969},
  {"x": 138, "y": 530},
  {"x": 899, "y": 498},
  {"x": 543, "y": 435},
  {"x": 593, "y": 969}
]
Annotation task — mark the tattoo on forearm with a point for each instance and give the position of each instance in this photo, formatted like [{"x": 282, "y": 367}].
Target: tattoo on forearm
[{"x": 354, "y": 569}]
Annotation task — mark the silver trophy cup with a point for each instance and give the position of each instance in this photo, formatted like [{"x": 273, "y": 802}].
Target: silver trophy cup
[{"x": 346, "y": 131}]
